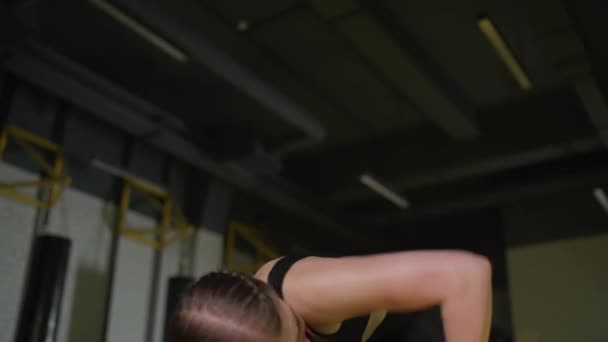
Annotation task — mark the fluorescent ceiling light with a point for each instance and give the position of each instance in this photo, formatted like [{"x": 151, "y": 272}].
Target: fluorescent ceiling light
[
  {"x": 387, "y": 193},
  {"x": 489, "y": 30},
  {"x": 600, "y": 196},
  {"x": 141, "y": 30},
  {"x": 242, "y": 25}
]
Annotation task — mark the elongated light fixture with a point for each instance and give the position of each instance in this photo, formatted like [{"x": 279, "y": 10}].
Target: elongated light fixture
[
  {"x": 488, "y": 28},
  {"x": 601, "y": 198},
  {"x": 385, "y": 192},
  {"x": 141, "y": 30}
]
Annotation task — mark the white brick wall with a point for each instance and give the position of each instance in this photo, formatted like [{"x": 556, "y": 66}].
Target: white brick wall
[
  {"x": 16, "y": 222},
  {"x": 169, "y": 268},
  {"x": 131, "y": 288},
  {"x": 209, "y": 252},
  {"x": 80, "y": 217}
]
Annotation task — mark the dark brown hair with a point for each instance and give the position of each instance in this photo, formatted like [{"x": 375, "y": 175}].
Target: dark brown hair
[{"x": 226, "y": 307}]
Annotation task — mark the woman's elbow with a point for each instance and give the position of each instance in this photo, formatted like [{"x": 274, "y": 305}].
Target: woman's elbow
[
  {"x": 474, "y": 271},
  {"x": 482, "y": 266}
]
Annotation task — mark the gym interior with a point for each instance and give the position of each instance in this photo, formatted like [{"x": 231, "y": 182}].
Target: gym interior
[{"x": 146, "y": 143}]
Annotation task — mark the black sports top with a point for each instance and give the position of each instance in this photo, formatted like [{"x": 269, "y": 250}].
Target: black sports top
[
  {"x": 350, "y": 330},
  {"x": 275, "y": 280},
  {"x": 421, "y": 326}
]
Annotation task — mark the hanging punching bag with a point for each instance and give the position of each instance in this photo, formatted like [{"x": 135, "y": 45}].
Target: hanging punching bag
[
  {"x": 41, "y": 306},
  {"x": 177, "y": 286}
]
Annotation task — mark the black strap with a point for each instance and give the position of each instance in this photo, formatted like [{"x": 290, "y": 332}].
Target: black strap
[
  {"x": 279, "y": 271},
  {"x": 276, "y": 276}
]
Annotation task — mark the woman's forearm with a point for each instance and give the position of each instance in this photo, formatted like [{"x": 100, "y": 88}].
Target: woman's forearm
[{"x": 467, "y": 312}]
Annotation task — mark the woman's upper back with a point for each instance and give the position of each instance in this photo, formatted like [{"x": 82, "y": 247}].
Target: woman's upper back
[
  {"x": 293, "y": 289},
  {"x": 327, "y": 291},
  {"x": 357, "y": 329}
]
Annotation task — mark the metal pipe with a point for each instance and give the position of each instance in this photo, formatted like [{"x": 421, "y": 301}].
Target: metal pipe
[
  {"x": 113, "y": 256},
  {"x": 110, "y": 283},
  {"x": 163, "y": 220},
  {"x": 141, "y": 30},
  {"x": 115, "y": 106},
  {"x": 45, "y": 194},
  {"x": 205, "y": 52},
  {"x": 187, "y": 250},
  {"x": 153, "y": 295}
]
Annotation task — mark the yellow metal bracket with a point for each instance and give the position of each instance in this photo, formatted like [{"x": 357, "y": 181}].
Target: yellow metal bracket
[
  {"x": 173, "y": 225},
  {"x": 264, "y": 251},
  {"x": 53, "y": 170}
]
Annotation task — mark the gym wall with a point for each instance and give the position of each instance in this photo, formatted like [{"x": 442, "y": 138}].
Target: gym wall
[
  {"x": 558, "y": 289},
  {"x": 17, "y": 225},
  {"x": 82, "y": 218}
]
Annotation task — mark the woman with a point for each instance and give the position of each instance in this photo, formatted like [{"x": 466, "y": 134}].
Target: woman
[{"x": 308, "y": 299}]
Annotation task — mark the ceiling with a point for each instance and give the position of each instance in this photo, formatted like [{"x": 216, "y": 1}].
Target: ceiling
[{"x": 409, "y": 91}]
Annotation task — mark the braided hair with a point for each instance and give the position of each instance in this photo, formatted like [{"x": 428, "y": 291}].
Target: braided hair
[{"x": 226, "y": 306}]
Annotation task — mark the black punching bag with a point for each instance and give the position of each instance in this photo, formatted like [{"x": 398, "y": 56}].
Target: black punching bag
[
  {"x": 177, "y": 286},
  {"x": 39, "y": 316}
]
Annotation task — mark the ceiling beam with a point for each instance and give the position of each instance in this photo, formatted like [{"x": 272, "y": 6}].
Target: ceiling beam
[
  {"x": 545, "y": 184},
  {"x": 569, "y": 57},
  {"x": 10, "y": 31},
  {"x": 116, "y": 106},
  {"x": 546, "y": 130},
  {"x": 331, "y": 10},
  {"x": 203, "y": 51},
  {"x": 400, "y": 67},
  {"x": 595, "y": 103},
  {"x": 405, "y": 73},
  {"x": 493, "y": 164}
]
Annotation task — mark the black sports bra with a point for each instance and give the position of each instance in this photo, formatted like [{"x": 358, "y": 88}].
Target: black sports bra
[
  {"x": 275, "y": 280},
  {"x": 391, "y": 328}
]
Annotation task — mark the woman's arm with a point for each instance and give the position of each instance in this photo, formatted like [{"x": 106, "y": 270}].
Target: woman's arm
[{"x": 329, "y": 290}]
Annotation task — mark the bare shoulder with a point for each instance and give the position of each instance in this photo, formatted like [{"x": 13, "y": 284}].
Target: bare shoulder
[
  {"x": 303, "y": 290},
  {"x": 325, "y": 290}
]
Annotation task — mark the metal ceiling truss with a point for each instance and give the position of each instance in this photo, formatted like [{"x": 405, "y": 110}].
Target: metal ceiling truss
[
  {"x": 406, "y": 71},
  {"x": 108, "y": 103}
]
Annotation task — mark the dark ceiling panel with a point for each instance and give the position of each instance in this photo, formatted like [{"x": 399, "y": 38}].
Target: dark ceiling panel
[
  {"x": 33, "y": 111},
  {"x": 517, "y": 27},
  {"x": 314, "y": 49},
  {"x": 84, "y": 139},
  {"x": 204, "y": 53},
  {"x": 208, "y": 104},
  {"x": 557, "y": 36},
  {"x": 402, "y": 70},
  {"x": 262, "y": 61},
  {"x": 589, "y": 18},
  {"x": 148, "y": 163},
  {"x": 252, "y": 11},
  {"x": 589, "y": 21},
  {"x": 562, "y": 39},
  {"x": 448, "y": 31},
  {"x": 417, "y": 158},
  {"x": 127, "y": 59},
  {"x": 580, "y": 172},
  {"x": 334, "y": 8}
]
